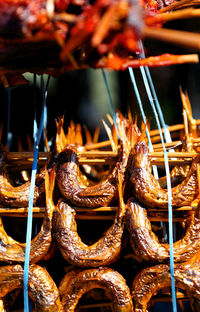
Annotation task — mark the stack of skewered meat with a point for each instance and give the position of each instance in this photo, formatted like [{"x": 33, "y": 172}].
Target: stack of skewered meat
[
  {"x": 80, "y": 34},
  {"x": 67, "y": 185}
]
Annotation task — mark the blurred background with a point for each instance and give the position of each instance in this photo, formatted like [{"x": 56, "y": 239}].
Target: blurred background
[{"x": 81, "y": 95}]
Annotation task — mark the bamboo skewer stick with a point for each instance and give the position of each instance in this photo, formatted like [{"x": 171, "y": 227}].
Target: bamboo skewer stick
[
  {"x": 175, "y": 158},
  {"x": 182, "y": 38},
  {"x": 97, "y": 213},
  {"x": 179, "y": 4},
  {"x": 182, "y": 14},
  {"x": 97, "y": 154}
]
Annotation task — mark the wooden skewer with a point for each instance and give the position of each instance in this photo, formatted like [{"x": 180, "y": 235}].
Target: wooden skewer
[
  {"x": 181, "y": 14},
  {"x": 167, "y": 145},
  {"x": 172, "y": 128},
  {"x": 173, "y": 154},
  {"x": 96, "y": 154},
  {"x": 93, "y": 214},
  {"x": 156, "y": 158},
  {"x": 182, "y": 38},
  {"x": 178, "y": 5}
]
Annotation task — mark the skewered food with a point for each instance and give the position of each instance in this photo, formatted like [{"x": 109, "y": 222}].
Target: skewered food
[
  {"x": 74, "y": 286},
  {"x": 18, "y": 196},
  {"x": 101, "y": 194},
  {"x": 105, "y": 251},
  {"x": 146, "y": 244},
  {"x": 11, "y": 250},
  {"x": 42, "y": 289},
  {"x": 150, "y": 280},
  {"x": 148, "y": 190},
  {"x": 76, "y": 34}
]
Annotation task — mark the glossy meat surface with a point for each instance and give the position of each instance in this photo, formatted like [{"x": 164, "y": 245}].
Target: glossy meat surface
[
  {"x": 101, "y": 194},
  {"x": 105, "y": 251},
  {"x": 42, "y": 289},
  {"x": 11, "y": 250},
  {"x": 146, "y": 244},
  {"x": 148, "y": 190},
  {"x": 11, "y": 196},
  {"x": 150, "y": 280},
  {"x": 72, "y": 288}
]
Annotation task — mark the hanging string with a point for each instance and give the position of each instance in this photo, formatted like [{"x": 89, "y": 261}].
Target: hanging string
[
  {"x": 110, "y": 98},
  {"x": 166, "y": 131},
  {"x": 170, "y": 216},
  {"x": 45, "y": 110},
  {"x": 132, "y": 76},
  {"x": 9, "y": 134},
  {"x": 158, "y": 107},
  {"x": 35, "y": 126},
  {"x": 30, "y": 206}
]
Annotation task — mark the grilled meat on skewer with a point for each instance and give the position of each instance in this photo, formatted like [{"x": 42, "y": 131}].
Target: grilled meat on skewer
[
  {"x": 105, "y": 251},
  {"x": 42, "y": 289},
  {"x": 74, "y": 286},
  {"x": 150, "y": 280},
  {"x": 148, "y": 190},
  {"x": 101, "y": 194},
  {"x": 11, "y": 250},
  {"x": 146, "y": 244}
]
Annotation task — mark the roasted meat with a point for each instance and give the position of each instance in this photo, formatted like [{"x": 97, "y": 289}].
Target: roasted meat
[
  {"x": 148, "y": 190},
  {"x": 101, "y": 194},
  {"x": 150, "y": 280},
  {"x": 11, "y": 250},
  {"x": 42, "y": 289},
  {"x": 77, "y": 283},
  {"x": 146, "y": 244},
  {"x": 105, "y": 251},
  {"x": 18, "y": 196}
]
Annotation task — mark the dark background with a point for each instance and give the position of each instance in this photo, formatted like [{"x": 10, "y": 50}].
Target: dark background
[{"x": 81, "y": 96}]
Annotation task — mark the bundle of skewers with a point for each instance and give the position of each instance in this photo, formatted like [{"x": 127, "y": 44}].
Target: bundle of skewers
[
  {"x": 88, "y": 34},
  {"x": 108, "y": 180}
]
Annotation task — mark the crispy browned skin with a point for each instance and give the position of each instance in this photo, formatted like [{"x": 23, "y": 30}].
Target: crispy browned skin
[
  {"x": 105, "y": 251},
  {"x": 146, "y": 244},
  {"x": 150, "y": 280},
  {"x": 11, "y": 250},
  {"x": 11, "y": 196},
  {"x": 148, "y": 190},
  {"x": 42, "y": 289},
  {"x": 72, "y": 288},
  {"x": 177, "y": 175},
  {"x": 101, "y": 194}
]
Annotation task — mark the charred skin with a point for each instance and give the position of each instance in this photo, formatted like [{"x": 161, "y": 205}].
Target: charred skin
[
  {"x": 146, "y": 244},
  {"x": 104, "y": 252},
  {"x": 148, "y": 190},
  {"x": 150, "y": 280},
  {"x": 11, "y": 250},
  {"x": 72, "y": 288},
  {"x": 42, "y": 289},
  {"x": 101, "y": 194}
]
